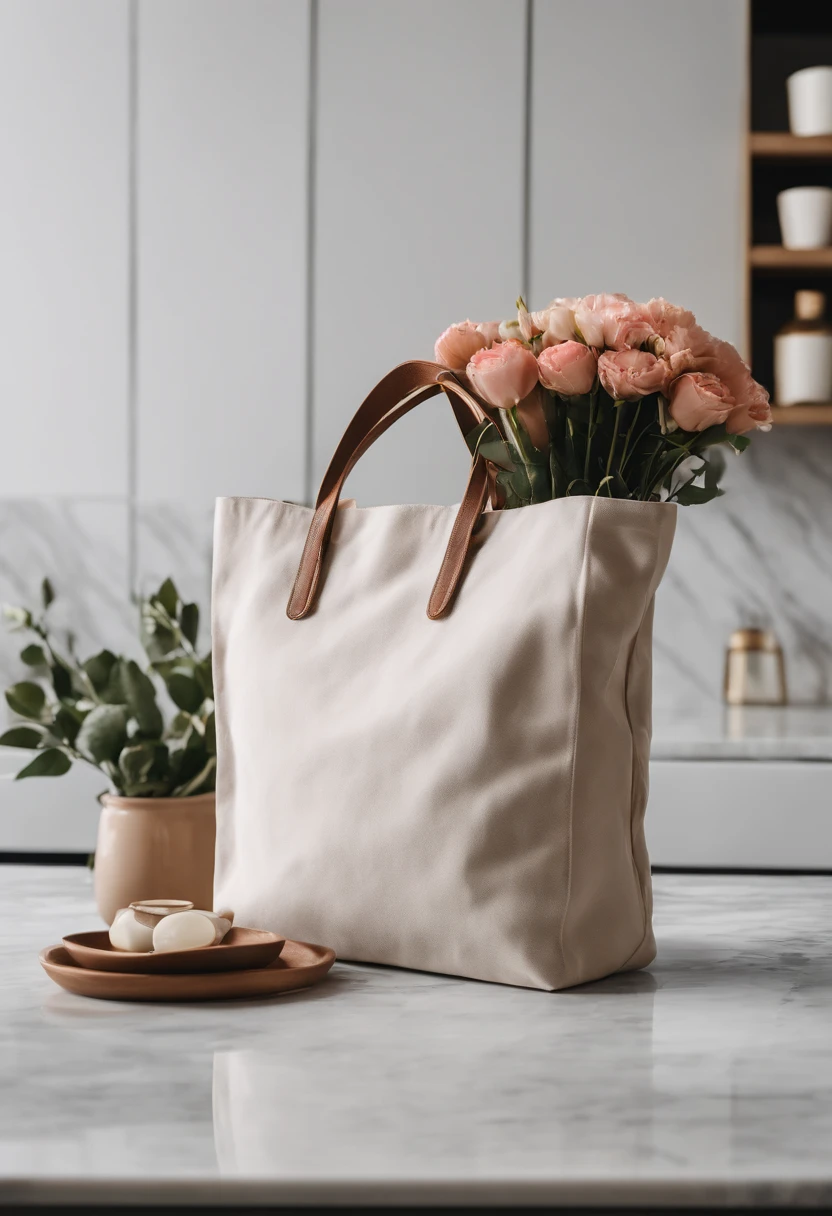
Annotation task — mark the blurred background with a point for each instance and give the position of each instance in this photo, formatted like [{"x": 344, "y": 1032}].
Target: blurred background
[{"x": 222, "y": 221}]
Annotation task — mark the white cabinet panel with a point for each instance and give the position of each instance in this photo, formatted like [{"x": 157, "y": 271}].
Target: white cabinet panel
[
  {"x": 222, "y": 247},
  {"x": 638, "y": 153},
  {"x": 63, "y": 246},
  {"x": 418, "y": 213}
]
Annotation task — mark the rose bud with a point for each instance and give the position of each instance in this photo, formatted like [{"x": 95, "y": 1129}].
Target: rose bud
[
  {"x": 503, "y": 375},
  {"x": 569, "y": 368},
  {"x": 457, "y": 344}
]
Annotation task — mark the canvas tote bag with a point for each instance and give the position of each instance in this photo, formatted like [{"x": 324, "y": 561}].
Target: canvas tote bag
[{"x": 436, "y": 756}]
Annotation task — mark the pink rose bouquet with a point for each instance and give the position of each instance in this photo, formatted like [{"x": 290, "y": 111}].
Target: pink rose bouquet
[{"x": 602, "y": 395}]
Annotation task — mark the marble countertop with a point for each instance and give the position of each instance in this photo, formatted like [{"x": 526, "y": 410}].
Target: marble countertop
[
  {"x": 725, "y": 732},
  {"x": 707, "y": 1079}
]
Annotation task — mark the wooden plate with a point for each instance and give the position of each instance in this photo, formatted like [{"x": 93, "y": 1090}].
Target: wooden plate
[
  {"x": 240, "y": 950},
  {"x": 300, "y": 966}
]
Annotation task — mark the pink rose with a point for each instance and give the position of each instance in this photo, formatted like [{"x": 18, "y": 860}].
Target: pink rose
[
  {"x": 629, "y": 374},
  {"x": 457, "y": 344},
  {"x": 664, "y": 316},
  {"x": 753, "y": 412},
  {"x": 504, "y": 374},
  {"x": 568, "y": 368},
  {"x": 699, "y": 400},
  {"x": 557, "y": 322},
  {"x": 592, "y": 312},
  {"x": 490, "y": 330},
  {"x": 627, "y": 328}
]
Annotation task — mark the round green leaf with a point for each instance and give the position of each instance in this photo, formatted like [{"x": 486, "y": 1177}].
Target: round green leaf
[
  {"x": 185, "y": 692},
  {"x": 21, "y": 736},
  {"x": 26, "y": 699},
  {"x": 33, "y": 655},
  {"x": 47, "y": 593},
  {"x": 103, "y": 733},
  {"x": 49, "y": 763}
]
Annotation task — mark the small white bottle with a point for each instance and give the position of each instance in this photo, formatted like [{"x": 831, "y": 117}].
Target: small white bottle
[{"x": 803, "y": 353}]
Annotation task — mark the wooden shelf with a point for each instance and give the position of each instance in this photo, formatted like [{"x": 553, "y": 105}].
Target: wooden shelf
[
  {"x": 802, "y": 415},
  {"x": 782, "y": 145},
  {"x": 777, "y": 257}
]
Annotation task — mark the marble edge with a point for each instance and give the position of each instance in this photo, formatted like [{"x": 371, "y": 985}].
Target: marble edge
[{"x": 609, "y": 1192}]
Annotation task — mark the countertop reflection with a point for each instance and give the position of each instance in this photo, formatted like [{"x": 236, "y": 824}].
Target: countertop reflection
[{"x": 707, "y": 1077}]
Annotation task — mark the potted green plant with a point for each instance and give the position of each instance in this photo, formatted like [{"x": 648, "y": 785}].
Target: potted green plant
[{"x": 157, "y": 826}]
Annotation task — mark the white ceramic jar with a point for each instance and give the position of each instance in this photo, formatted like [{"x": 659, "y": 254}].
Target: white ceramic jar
[
  {"x": 805, "y": 214},
  {"x": 803, "y": 353},
  {"x": 810, "y": 101}
]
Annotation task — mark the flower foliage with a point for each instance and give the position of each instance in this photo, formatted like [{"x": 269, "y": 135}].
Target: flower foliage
[{"x": 601, "y": 395}]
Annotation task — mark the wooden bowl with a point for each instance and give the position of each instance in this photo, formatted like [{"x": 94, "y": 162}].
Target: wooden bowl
[
  {"x": 300, "y": 966},
  {"x": 240, "y": 950}
]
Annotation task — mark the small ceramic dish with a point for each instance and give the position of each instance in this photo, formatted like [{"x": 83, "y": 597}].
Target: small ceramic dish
[
  {"x": 240, "y": 949},
  {"x": 300, "y": 966}
]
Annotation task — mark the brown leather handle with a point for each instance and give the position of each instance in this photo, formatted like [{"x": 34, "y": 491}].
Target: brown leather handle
[{"x": 395, "y": 395}]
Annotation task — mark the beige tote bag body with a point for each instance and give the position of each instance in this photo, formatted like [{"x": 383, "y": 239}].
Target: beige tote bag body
[{"x": 461, "y": 789}]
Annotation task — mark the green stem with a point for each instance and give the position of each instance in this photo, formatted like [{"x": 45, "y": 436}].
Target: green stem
[
  {"x": 593, "y": 398},
  {"x": 511, "y": 421},
  {"x": 618, "y": 408},
  {"x": 627, "y": 439}
]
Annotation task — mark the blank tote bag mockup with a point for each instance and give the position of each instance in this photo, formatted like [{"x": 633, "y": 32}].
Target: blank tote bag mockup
[{"x": 433, "y": 723}]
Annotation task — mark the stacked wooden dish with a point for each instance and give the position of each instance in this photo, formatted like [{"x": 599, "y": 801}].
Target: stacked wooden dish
[{"x": 246, "y": 963}]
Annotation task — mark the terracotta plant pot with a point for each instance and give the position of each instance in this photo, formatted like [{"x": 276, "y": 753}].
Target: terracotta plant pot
[{"x": 154, "y": 848}]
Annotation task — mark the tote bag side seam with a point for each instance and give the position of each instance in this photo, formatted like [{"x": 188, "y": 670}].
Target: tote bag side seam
[
  {"x": 636, "y": 761},
  {"x": 577, "y": 667}
]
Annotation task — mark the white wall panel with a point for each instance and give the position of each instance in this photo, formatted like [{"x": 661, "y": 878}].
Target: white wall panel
[
  {"x": 418, "y": 213},
  {"x": 638, "y": 153},
  {"x": 63, "y": 246},
  {"x": 222, "y": 224}
]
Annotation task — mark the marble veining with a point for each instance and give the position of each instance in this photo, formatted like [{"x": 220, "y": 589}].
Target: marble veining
[{"x": 707, "y": 1078}]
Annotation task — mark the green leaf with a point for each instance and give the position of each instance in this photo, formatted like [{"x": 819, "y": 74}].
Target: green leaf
[
  {"x": 179, "y": 725},
  {"x": 739, "y": 442},
  {"x": 141, "y": 698},
  {"x": 61, "y": 680},
  {"x": 46, "y": 593},
  {"x": 99, "y": 669},
  {"x": 185, "y": 692},
  {"x": 67, "y": 724},
  {"x": 33, "y": 655},
  {"x": 27, "y": 699},
  {"x": 17, "y": 618},
  {"x": 189, "y": 622},
  {"x": 168, "y": 597},
  {"x": 142, "y": 762},
  {"x": 21, "y": 736},
  {"x": 210, "y": 735},
  {"x": 691, "y": 495},
  {"x": 714, "y": 467},
  {"x": 103, "y": 733},
  {"x": 204, "y": 778},
  {"x": 206, "y": 670},
  {"x": 51, "y": 762}
]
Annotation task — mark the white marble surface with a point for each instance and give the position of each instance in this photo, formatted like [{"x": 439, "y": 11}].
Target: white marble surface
[
  {"x": 743, "y": 732},
  {"x": 706, "y": 1079}
]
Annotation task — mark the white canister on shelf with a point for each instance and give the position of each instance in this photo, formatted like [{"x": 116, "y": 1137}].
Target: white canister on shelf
[
  {"x": 810, "y": 101},
  {"x": 803, "y": 353},
  {"x": 805, "y": 214}
]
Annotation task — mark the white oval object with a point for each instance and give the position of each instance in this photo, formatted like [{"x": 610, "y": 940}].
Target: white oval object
[
  {"x": 127, "y": 933},
  {"x": 810, "y": 101},
  {"x": 189, "y": 930}
]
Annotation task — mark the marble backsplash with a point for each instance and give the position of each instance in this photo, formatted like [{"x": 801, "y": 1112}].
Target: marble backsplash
[{"x": 760, "y": 555}]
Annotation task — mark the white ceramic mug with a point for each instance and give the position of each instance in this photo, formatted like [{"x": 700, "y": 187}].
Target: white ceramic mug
[
  {"x": 805, "y": 216},
  {"x": 810, "y": 101}
]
